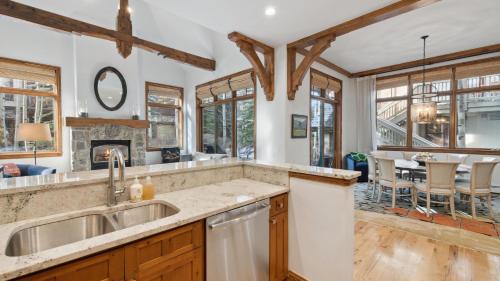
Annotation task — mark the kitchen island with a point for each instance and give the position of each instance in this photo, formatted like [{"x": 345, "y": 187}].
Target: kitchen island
[{"x": 196, "y": 189}]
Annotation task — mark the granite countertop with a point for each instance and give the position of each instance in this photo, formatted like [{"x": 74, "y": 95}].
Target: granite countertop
[
  {"x": 62, "y": 180},
  {"x": 194, "y": 204}
]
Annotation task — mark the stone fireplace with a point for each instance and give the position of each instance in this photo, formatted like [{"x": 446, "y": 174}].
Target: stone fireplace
[{"x": 85, "y": 139}]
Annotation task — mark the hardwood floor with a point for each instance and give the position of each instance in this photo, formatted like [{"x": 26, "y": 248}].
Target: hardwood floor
[{"x": 385, "y": 253}]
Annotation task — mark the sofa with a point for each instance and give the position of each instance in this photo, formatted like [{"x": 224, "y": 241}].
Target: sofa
[
  {"x": 361, "y": 166},
  {"x": 33, "y": 170}
]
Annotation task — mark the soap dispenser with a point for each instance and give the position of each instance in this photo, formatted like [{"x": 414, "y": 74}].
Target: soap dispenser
[
  {"x": 136, "y": 190},
  {"x": 148, "y": 190}
]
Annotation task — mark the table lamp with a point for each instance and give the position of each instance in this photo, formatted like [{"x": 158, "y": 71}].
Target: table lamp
[{"x": 33, "y": 132}]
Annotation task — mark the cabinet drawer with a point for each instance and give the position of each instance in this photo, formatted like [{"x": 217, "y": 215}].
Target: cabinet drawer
[
  {"x": 106, "y": 266},
  {"x": 159, "y": 248},
  {"x": 279, "y": 204}
]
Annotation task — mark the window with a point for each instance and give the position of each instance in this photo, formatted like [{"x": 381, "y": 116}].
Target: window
[
  {"x": 29, "y": 93},
  {"x": 326, "y": 101},
  {"x": 226, "y": 108},
  {"x": 468, "y": 100},
  {"x": 164, "y": 113},
  {"x": 434, "y": 135}
]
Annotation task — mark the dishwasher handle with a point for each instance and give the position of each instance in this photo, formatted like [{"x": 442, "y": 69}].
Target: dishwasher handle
[{"x": 240, "y": 219}]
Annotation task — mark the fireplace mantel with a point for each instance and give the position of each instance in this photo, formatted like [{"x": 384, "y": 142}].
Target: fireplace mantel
[{"x": 91, "y": 122}]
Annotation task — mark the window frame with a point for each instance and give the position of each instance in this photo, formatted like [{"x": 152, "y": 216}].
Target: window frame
[
  {"x": 179, "y": 107},
  {"x": 233, "y": 101},
  {"x": 57, "y": 114},
  {"x": 454, "y": 93},
  {"x": 337, "y": 104}
]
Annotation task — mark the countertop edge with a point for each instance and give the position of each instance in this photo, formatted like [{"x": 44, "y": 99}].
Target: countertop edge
[
  {"x": 128, "y": 238},
  {"x": 71, "y": 179}
]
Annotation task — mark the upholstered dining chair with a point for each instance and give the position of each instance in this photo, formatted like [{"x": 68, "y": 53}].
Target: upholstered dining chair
[
  {"x": 440, "y": 181},
  {"x": 372, "y": 174},
  {"x": 387, "y": 179},
  {"x": 480, "y": 184}
]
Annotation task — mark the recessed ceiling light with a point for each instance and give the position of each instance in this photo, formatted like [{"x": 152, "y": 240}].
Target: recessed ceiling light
[{"x": 270, "y": 11}]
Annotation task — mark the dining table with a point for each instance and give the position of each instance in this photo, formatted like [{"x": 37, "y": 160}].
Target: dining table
[{"x": 415, "y": 170}]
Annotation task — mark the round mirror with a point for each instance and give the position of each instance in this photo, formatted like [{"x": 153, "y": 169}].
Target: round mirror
[{"x": 110, "y": 88}]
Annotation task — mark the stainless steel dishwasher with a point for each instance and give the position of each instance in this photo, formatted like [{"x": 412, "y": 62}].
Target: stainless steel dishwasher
[{"x": 238, "y": 244}]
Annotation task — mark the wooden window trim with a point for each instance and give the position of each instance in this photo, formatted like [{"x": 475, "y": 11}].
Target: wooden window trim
[
  {"x": 454, "y": 93},
  {"x": 57, "y": 114},
  {"x": 233, "y": 100},
  {"x": 160, "y": 105},
  {"x": 337, "y": 103}
]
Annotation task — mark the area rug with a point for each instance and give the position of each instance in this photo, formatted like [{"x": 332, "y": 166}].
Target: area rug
[{"x": 364, "y": 201}]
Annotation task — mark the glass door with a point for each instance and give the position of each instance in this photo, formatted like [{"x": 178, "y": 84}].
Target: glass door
[{"x": 322, "y": 133}]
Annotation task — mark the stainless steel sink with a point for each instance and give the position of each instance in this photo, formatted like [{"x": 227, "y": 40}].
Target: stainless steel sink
[
  {"x": 142, "y": 214},
  {"x": 46, "y": 236},
  {"x": 50, "y": 235}
]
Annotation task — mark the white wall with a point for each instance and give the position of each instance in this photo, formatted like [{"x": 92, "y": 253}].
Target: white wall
[
  {"x": 321, "y": 230},
  {"x": 270, "y": 137},
  {"x": 298, "y": 150},
  {"x": 29, "y": 42},
  {"x": 80, "y": 58}
]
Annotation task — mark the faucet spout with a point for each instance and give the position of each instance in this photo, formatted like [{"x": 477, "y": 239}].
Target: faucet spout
[{"x": 113, "y": 191}]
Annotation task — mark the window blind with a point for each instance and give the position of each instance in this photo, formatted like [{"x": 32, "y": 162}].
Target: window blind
[
  {"x": 437, "y": 75},
  {"x": 326, "y": 83},
  {"x": 164, "y": 91},
  {"x": 29, "y": 72},
  {"x": 476, "y": 70},
  {"x": 235, "y": 83},
  {"x": 388, "y": 83}
]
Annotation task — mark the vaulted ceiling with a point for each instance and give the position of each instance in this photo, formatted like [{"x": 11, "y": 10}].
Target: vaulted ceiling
[{"x": 453, "y": 25}]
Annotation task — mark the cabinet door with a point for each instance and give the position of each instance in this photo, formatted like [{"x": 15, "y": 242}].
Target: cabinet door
[
  {"x": 278, "y": 248},
  {"x": 186, "y": 267},
  {"x": 178, "y": 252},
  {"x": 107, "y": 266}
]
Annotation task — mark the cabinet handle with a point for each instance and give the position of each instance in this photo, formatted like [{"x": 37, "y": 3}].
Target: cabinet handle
[
  {"x": 273, "y": 220},
  {"x": 281, "y": 205}
]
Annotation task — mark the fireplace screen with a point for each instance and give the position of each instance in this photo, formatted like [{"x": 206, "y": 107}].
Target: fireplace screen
[
  {"x": 100, "y": 150},
  {"x": 101, "y": 153}
]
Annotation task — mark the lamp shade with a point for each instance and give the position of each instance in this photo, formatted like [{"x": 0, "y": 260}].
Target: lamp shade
[
  {"x": 424, "y": 112},
  {"x": 33, "y": 132}
]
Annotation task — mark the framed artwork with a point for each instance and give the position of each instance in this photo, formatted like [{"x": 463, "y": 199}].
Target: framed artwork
[{"x": 299, "y": 126}]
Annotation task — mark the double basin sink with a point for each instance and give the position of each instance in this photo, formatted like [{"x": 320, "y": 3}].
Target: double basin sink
[{"x": 46, "y": 236}]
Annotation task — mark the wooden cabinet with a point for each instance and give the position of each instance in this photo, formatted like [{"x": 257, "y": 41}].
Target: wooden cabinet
[
  {"x": 175, "y": 255},
  {"x": 108, "y": 266},
  {"x": 278, "y": 238}
]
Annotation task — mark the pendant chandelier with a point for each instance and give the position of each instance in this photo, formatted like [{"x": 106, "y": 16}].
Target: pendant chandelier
[{"x": 423, "y": 108}]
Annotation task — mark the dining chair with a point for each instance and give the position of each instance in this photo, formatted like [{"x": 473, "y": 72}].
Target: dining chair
[
  {"x": 440, "y": 181},
  {"x": 372, "y": 174},
  {"x": 479, "y": 185},
  {"x": 387, "y": 178},
  {"x": 489, "y": 159}
]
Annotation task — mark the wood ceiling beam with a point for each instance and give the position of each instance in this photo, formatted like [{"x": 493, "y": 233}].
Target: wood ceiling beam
[
  {"x": 124, "y": 25},
  {"x": 55, "y": 21},
  {"x": 379, "y": 15},
  {"x": 295, "y": 75},
  {"x": 265, "y": 71},
  {"x": 429, "y": 61},
  {"x": 327, "y": 63}
]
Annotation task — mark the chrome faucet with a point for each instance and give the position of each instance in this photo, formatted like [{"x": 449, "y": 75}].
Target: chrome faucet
[{"x": 113, "y": 191}]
